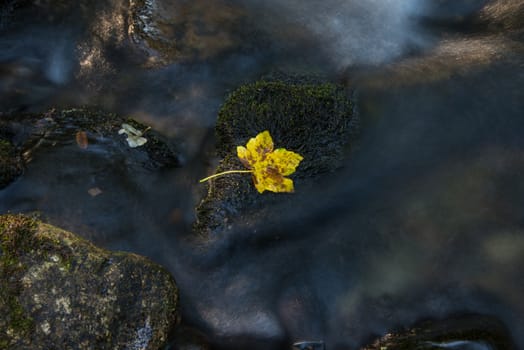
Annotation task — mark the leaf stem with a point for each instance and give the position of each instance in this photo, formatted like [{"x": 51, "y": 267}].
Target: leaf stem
[{"x": 224, "y": 173}]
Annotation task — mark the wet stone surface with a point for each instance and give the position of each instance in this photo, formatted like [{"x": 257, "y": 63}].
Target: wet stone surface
[
  {"x": 181, "y": 31},
  {"x": 60, "y": 291}
]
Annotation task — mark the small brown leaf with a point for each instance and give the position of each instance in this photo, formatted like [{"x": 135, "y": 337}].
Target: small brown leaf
[{"x": 81, "y": 139}]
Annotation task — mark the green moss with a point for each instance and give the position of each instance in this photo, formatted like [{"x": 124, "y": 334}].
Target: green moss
[
  {"x": 20, "y": 322},
  {"x": 66, "y": 262},
  {"x": 16, "y": 238},
  {"x": 86, "y": 119},
  {"x": 16, "y": 235},
  {"x": 5, "y": 146}
]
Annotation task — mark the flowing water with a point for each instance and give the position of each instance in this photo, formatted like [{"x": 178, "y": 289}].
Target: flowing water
[{"x": 425, "y": 220}]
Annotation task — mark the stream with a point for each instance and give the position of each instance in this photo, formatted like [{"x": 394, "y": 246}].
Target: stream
[{"x": 425, "y": 219}]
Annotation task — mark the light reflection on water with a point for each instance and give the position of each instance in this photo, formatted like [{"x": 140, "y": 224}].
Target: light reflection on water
[{"x": 425, "y": 220}]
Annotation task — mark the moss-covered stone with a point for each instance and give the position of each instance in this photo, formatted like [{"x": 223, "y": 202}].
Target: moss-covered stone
[
  {"x": 58, "y": 291},
  {"x": 10, "y": 162},
  {"x": 15, "y": 236},
  {"x": 478, "y": 331},
  {"x": 312, "y": 118},
  {"x": 315, "y": 119}
]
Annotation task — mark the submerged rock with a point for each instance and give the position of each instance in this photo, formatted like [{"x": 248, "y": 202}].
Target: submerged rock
[
  {"x": 58, "y": 291},
  {"x": 311, "y": 118},
  {"x": 470, "y": 332},
  {"x": 180, "y": 31}
]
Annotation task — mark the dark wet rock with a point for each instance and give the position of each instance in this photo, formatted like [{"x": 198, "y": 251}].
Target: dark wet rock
[
  {"x": 58, "y": 291},
  {"x": 314, "y": 119},
  {"x": 10, "y": 162},
  {"x": 180, "y": 31},
  {"x": 92, "y": 130},
  {"x": 6, "y": 11},
  {"x": 78, "y": 168},
  {"x": 469, "y": 332},
  {"x": 49, "y": 11}
]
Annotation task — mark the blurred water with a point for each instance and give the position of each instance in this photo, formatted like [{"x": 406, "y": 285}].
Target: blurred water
[{"x": 425, "y": 220}]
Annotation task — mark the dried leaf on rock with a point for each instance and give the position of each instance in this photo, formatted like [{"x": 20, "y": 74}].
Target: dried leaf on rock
[
  {"x": 134, "y": 136},
  {"x": 81, "y": 139}
]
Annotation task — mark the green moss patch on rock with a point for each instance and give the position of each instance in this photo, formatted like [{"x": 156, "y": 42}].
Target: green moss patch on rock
[
  {"x": 314, "y": 119},
  {"x": 15, "y": 236},
  {"x": 58, "y": 291}
]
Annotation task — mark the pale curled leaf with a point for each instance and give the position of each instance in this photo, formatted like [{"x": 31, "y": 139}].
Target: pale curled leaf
[
  {"x": 136, "y": 141},
  {"x": 134, "y": 136},
  {"x": 129, "y": 130}
]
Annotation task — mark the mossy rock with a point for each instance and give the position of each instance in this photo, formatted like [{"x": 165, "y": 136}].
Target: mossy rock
[
  {"x": 466, "y": 332},
  {"x": 58, "y": 291},
  {"x": 312, "y": 118}
]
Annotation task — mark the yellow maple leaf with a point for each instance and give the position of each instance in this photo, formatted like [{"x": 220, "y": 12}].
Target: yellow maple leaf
[{"x": 268, "y": 166}]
